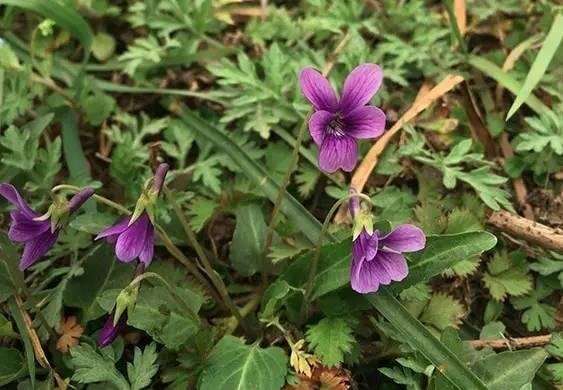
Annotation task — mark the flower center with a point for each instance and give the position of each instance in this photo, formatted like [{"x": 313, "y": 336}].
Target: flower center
[{"x": 336, "y": 125}]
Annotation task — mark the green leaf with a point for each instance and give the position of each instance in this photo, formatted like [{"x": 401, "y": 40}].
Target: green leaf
[
  {"x": 272, "y": 298},
  {"x": 233, "y": 365},
  {"x": 11, "y": 278},
  {"x": 163, "y": 315},
  {"x": 506, "y": 277},
  {"x": 103, "y": 46},
  {"x": 22, "y": 145},
  {"x": 541, "y": 63},
  {"x": 91, "y": 367},
  {"x": 442, "y": 311},
  {"x": 144, "y": 367},
  {"x": 102, "y": 272},
  {"x": 16, "y": 313},
  {"x": 12, "y": 365},
  {"x": 536, "y": 315},
  {"x": 6, "y": 329},
  {"x": 63, "y": 14},
  {"x": 420, "y": 338},
  {"x": 507, "y": 81},
  {"x": 510, "y": 369},
  {"x": 443, "y": 252},
  {"x": 247, "y": 247},
  {"x": 331, "y": 338},
  {"x": 73, "y": 152},
  {"x": 200, "y": 211}
]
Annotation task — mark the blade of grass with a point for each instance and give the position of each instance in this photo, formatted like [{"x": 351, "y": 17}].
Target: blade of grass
[
  {"x": 384, "y": 302},
  {"x": 507, "y": 81},
  {"x": 64, "y": 15},
  {"x": 544, "y": 57}
]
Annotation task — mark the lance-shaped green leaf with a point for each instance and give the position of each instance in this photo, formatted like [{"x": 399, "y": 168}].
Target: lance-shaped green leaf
[{"x": 544, "y": 57}]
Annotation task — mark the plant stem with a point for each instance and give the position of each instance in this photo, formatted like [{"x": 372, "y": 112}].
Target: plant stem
[
  {"x": 192, "y": 239},
  {"x": 315, "y": 261}
]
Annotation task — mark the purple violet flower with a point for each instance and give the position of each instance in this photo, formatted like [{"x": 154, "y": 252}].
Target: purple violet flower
[
  {"x": 134, "y": 237},
  {"x": 38, "y": 233},
  {"x": 378, "y": 260},
  {"x": 109, "y": 331},
  {"x": 337, "y": 124}
]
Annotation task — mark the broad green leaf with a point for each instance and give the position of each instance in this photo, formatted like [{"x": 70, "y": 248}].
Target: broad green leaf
[
  {"x": 63, "y": 14},
  {"x": 234, "y": 365},
  {"x": 91, "y": 367},
  {"x": 331, "y": 338},
  {"x": 247, "y": 247},
  {"x": 12, "y": 365},
  {"x": 541, "y": 63},
  {"x": 510, "y": 369},
  {"x": 443, "y": 252},
  {"x": 332, "y": 272},
  {"x": 144, "y": 367}
]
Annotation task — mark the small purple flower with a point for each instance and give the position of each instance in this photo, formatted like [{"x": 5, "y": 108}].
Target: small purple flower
[
  {"x": 132, "y": 241},
  {"x": 134, "y": 237},
  {"x": 337, "y": 124},
  {"x": 378, "y": 260},
  {"x": 38, "y": 233},
  {"x": 110, "y": 331}
]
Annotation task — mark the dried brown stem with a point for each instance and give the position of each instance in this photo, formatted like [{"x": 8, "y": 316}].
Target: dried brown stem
[
  {"x": 518, "y": 183},
  {"x": 512, "y": 343},
  {"x": 531, "y": 231}
]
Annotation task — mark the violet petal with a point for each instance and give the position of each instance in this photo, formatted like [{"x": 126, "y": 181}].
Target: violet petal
[
  {"x": 394, "y": 263},
  {"x": 404, "y": 238},
  {"x": 338, "y": 152},
  {"x": 318, "y": 125},
  {"x": 12, "y": 195},
  {"x": 365, "y": 122},
  {"x": 130, "y": 243},
  {"x": 317, "y": 89},
  {"x": 360, "y": 86},
  {"x": 37, "y": 247},
  {"x": 24, "y": 228},
  {"x": 118, "y": 228},
  {"x": 147, "y": 252}
]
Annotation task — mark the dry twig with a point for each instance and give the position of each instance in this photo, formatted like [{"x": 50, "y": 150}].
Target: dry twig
[
  {"x": 531, "y": 231},
  {"x": 512, "y": 343}
]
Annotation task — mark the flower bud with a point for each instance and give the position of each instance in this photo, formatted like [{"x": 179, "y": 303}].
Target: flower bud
[{"x": 125, "y": 301}]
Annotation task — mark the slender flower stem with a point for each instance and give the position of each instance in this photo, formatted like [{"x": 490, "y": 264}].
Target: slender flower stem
[
  {"x": 168, "y": 244},
  {"x": 315, "y": 261},
  {"x": 192, "y": 239},
  {"x": 293, "y": 165},
  {"x": 147, "y": 275}
]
